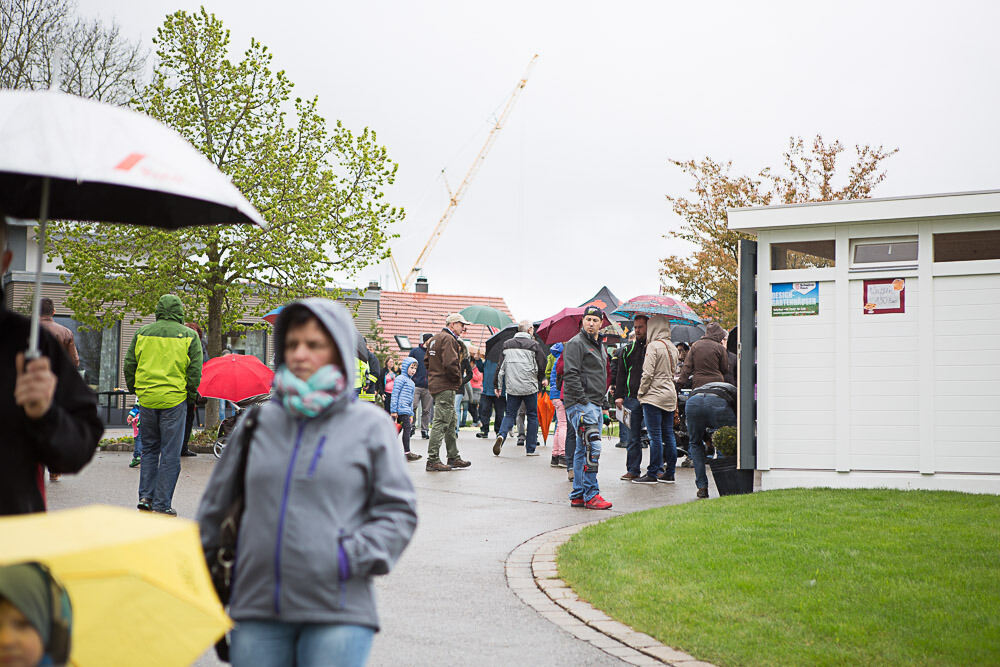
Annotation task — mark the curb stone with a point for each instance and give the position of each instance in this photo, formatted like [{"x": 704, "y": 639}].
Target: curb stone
[{"x": 532, "y": 575}]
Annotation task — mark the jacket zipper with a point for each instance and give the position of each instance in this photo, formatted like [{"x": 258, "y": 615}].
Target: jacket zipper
[
  {"x": 342, "y": 568},
  {"x": 316, "y": 455},
  {"x": 281, "y": 520}
]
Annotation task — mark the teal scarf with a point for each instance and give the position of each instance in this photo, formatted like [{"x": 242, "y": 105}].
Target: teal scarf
[{"x": 308, "y": 398}]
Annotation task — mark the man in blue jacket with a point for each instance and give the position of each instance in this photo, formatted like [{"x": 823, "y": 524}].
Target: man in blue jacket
[
  {"x": 422, "y": 399},
  {"x": 489, "y": 402}
]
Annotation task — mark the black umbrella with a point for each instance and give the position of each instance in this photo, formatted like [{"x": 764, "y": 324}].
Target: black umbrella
[
  {"x": 686, "y": 333},
  {"x": 494, "y": 344}
]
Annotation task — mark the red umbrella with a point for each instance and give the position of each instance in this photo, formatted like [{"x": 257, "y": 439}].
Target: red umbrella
[
  {"x": 564, "y": 325},
  {"x": 235, "y": 377}
]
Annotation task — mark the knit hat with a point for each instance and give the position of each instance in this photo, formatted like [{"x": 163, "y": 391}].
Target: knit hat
[
  {"x": 715, "y": 332},
  {"x": 25, "y": 586}
]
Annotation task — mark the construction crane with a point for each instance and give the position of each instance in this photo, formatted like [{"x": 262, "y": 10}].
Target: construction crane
[{"x": 456, "y": 197}]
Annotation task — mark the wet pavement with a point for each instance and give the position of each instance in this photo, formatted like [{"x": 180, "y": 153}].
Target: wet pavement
[{"x": 447, "y": 601}]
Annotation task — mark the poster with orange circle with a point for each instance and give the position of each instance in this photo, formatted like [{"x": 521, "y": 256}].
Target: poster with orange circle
[{"x": 884, "y": 295}]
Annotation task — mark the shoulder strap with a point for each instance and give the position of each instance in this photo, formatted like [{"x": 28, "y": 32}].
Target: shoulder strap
[{"x": 246, "y": 435}]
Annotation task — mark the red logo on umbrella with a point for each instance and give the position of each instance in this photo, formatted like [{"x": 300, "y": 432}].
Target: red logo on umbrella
[{"x": 130, "y": 161}]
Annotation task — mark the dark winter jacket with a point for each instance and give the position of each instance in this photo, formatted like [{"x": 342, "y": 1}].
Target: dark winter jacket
[
  {"x": 63, "y": 439},
  {"x": 420, "y": 377},
  {"x": 629, "y": 373},
  {"x": 720, "y": 389},
  {"x": 585, "y": 374},
  {"x": 731, "y": 372}
]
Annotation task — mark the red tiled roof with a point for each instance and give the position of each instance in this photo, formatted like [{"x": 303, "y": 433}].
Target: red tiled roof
[{"x": 413, "y": 313}]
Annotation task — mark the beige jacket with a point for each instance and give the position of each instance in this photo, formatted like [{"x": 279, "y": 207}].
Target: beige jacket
[{"x": 657, "y": 384}]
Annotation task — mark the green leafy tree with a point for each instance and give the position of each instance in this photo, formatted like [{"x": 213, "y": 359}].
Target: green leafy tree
[
  {"x": 707, "y": 277},
  {"x": 319, "y": 187},
  {"x": 383, "y": 352}
]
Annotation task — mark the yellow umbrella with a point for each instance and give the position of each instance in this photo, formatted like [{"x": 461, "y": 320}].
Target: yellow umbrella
[{"x": 140, "y": 591}]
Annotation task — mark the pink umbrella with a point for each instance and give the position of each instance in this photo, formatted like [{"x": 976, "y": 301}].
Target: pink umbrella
[
  {"x": 564, "y": 325},
  {"x": 235, "y": 377}
]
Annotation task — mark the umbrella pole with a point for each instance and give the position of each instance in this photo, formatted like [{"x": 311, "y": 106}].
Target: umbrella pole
[{"x": 36, "y": 309}]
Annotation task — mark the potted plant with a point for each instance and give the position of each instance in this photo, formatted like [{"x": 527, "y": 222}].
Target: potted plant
[{"x": 729, "y": 479}]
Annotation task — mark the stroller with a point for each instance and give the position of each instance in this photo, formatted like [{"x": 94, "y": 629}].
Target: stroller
[{"x": 228, "y": 424}]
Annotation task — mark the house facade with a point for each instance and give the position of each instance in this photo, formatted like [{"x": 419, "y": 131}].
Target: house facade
[{"x": 878, "y": 342}]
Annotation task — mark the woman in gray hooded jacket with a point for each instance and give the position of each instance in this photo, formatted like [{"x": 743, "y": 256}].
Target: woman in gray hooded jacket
[{"x": 329, "y": 503}]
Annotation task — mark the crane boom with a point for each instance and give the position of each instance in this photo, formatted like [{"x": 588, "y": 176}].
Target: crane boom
[{"x": 473, "y": 169}]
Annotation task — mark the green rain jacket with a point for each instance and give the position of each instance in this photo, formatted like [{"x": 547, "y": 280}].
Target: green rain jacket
[{"x": 163, "y": 363}]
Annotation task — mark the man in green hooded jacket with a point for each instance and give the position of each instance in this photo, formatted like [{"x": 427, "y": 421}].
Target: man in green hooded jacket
[{"x": 163, "y": 368}]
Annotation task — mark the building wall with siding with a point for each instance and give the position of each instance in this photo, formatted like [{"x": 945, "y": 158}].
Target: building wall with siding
[{"x": 905, "y": 400}]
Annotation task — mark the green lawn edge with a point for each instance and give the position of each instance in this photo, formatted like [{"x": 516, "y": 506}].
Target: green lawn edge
[{"x": 803, "y": 576}]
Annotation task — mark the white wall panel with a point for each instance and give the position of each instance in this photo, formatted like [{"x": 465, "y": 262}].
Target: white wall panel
[{"x": 967, "y": 372}]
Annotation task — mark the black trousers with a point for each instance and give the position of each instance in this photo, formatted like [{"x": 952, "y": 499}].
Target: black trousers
[
  {"x": 189, "y": 424},
  {"x": 491, "y": 405},
  {"x": 405, "y": 421}
]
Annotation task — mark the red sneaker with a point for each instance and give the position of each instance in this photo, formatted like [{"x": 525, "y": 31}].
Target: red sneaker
[
  {"x": 577, "y": 502},
  {"x": 598, "y": 503}
]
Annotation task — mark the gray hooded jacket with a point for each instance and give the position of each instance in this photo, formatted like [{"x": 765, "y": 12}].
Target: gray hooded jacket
[{"x": 329, "y": 502}]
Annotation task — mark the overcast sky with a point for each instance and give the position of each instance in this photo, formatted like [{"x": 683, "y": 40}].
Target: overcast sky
[{"x": 572, "y": 195}]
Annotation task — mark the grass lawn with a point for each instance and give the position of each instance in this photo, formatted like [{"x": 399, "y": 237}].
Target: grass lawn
[{"x": 804, "y": 576}]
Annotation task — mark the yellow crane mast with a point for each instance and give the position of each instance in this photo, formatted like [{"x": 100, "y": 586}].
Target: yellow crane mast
[{"x": 456, "y": 197}]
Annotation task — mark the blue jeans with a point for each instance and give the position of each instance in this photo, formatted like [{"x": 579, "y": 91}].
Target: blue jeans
[
  {"x": 633, "y": 439},
  {"x": 530, "y": 402},
  {"x": 584, "y": 483},
  {"x": 277, "y": 644},
  {"x": 224, "y": 409},
  {"x": 704, "y": 411},
  {"x": 461, "y": 408},
  {"x": 162, "y": 434},
  {"x": 137, "y": 443},
  {"x": 660, "y": 423}
]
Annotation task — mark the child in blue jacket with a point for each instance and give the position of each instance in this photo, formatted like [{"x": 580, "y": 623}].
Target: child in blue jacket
[
  {"x": 401, "y": 405},
  {"x": 133, "y": 420}
]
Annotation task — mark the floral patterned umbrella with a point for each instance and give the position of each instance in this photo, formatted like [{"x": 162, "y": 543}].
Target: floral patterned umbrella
[{"x": 656, "y": 304}]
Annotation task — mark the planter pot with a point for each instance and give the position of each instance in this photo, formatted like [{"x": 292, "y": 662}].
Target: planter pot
[{"x": 729, "y": 480}]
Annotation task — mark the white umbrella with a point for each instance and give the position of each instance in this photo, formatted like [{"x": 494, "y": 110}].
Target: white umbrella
[{"x": 70, "y": 158}]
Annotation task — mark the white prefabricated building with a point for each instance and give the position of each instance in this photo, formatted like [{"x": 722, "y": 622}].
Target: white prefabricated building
[{"x": 878, "y": 342}]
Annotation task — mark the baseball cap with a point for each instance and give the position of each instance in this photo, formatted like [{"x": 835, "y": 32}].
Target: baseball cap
[
  {"x": 456, "y": 317},
  {"x": 593, "y": 310}
]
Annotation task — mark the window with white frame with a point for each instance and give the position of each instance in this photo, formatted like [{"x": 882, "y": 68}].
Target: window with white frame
[{"x": 884, "y": 253}]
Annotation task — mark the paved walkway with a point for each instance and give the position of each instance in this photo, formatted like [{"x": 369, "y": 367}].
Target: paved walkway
[{"x": 447, "y": 602}]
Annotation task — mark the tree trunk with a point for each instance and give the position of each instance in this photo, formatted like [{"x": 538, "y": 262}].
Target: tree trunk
[{"x": 214, "y": 348}]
